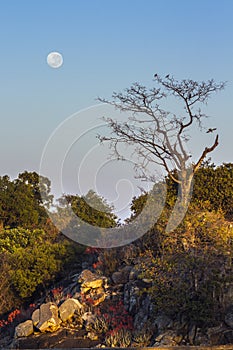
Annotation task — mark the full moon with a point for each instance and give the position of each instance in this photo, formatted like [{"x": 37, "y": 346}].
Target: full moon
[{"x": 54, "y": 59}]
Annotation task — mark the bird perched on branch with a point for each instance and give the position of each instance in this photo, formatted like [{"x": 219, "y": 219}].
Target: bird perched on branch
[
  {"x": 155, "y": 75},
  {"x": 211, "y": 130},
  {"x": 167, "y": 76}
]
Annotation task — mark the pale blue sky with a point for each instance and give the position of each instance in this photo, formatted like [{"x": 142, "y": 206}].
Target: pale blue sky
[{"x": 106, "y": 45}]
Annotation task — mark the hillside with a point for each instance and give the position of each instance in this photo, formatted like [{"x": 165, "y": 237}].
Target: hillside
[{"x": 162, "y": 289}]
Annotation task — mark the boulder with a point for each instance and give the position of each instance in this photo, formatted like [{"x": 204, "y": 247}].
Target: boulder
[
  {"x": 24, "y": 329},
  {"x": 36, "y": 317},
  {"x": 86, "y": 275},
  {"x": 93, "y": 284},
  {"x": 68, "y": 309},
  {"x": 49, "y": 320},
  {"x": 89, "y": 280}
]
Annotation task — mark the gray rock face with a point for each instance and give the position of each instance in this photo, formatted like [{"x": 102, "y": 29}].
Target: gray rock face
[
  {"x": 68, "y": 309},
  {"x": 24, "y": 329},
  {"x": 131, "y": 297},
  {"x": 49, "y": 320},
  {"x": 142, "y": 314}
]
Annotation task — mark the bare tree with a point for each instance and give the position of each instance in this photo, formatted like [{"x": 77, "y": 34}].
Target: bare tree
[{"x": 159, "y": 135}]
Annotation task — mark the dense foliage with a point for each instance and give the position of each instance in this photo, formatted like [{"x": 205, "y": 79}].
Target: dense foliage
[
  {"x": 20, "y": 200},
  {"x": 91, "y": 208},
  {"x": 31, "y": 260}
]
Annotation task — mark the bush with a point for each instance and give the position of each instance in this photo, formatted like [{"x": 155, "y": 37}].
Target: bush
[
  {"x": 7, "y": 299},
  {"x": 33, "y": 260},
  {"x": 190, "y": 273}
]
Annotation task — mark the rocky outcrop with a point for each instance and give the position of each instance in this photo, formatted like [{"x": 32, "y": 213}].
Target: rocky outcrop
[
  {"x": 24, "y": 329},
  {"x": 68, "y": 309},
  {"x": 48, "y": 318},
  {"x": 82, "y": 314},
  {"x": 138, "y": 304},
  {"x": 93, "y": 287}
]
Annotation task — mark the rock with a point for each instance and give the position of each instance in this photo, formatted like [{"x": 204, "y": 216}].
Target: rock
[
  {"x": 49, "y": 320},
  {"x": 62, "y": 339},
  {"x": 90, "y": 281},
  {"x": 24, "y": 329},
  {"x": 87, "y": 285},
  {"x": 142, "y": 315},
  {"x": 229, "y": 317},
  {"x": 95, "y": 296},
  {"x": 122, "y": 276},
  {"x": 131, "y": 297},
  {"x": 68, "y": 308},
  {"x": 93, "y": 287},
  {"x": 36, "y": 317},
  {"x": 215, "y": 334},
  {"x": 86, "y": 275},
  {"x": 169, "y": 338}
]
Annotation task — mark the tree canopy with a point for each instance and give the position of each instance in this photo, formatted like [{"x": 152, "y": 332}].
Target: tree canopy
[{"x": 20, "y": 200}]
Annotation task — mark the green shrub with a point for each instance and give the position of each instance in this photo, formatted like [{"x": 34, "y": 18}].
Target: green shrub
[{"x": 34, "y": 259}]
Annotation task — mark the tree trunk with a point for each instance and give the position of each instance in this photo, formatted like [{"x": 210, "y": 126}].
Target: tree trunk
[
  {"x": 184, "y": 196},
  {"x": 185, "y": 190}
]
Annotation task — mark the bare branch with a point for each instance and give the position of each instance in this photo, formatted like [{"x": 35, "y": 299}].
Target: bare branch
[
  {"x": 204, "y": 153},
  {"x": 159, "y": 136}
]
